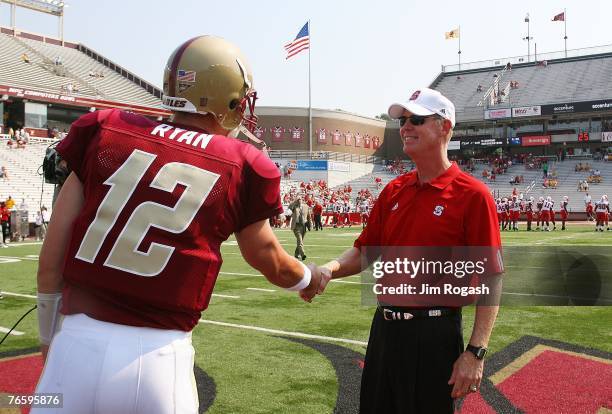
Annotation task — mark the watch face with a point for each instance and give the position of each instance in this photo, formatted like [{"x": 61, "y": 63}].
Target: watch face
[{"x": 480, "y": 354}]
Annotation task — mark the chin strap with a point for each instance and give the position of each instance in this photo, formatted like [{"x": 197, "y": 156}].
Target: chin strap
[{"x": 252, "y": 138}]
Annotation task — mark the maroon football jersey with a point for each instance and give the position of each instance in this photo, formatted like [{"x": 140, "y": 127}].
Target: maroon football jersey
[{"x": 159, "y": 201}]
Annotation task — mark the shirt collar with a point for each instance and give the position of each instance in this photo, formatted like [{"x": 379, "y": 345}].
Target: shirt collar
[{"x": 440, "y": 181}]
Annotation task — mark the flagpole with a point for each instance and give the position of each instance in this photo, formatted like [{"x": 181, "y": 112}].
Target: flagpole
[
  {"x": 459, "y": 52},
  {"x": 565, "y": 35},
  {"x": 309, "y": 93}
]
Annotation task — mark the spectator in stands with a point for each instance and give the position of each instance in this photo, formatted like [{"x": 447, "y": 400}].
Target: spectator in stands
[
  {"x": 508, "y": 66},
  {"x": 545, "y": 169},
  {"x": 24, "y": 57},
  {"x": 4, "y": 173},
  {"x": 57, "y": 60},
  {"x": 479, "y": 88},
  {"x": 23, "y": 206},
  {"x": 23, "y": 139}
]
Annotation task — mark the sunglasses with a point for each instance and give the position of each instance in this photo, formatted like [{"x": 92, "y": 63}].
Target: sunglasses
[{"x": 415, "y": 120}]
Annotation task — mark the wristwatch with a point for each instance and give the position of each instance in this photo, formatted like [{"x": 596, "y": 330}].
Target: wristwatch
[{"x": 478, "y": 351}]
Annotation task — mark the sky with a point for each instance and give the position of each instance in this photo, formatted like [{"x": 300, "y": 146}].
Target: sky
[{"x": 365, "y": 55}]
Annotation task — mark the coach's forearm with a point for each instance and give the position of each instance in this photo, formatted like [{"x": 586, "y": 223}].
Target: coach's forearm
[
  {"x": 483, "y": 325},
  {"x": 349, "y": 263}
]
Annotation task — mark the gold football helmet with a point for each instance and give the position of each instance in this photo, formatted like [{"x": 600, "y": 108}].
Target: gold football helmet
[{"x": 209, "y": 75}]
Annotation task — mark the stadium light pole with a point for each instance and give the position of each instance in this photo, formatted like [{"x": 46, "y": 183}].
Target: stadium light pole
[{"x": 528, "y": 38}]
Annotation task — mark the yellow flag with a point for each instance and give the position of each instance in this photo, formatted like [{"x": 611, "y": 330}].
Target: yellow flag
[{"x": 453, "y": 34}]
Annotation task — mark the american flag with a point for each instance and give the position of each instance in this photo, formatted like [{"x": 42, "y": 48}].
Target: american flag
[
  {"x": 301, "y": 42},
  {"x": 186, "y": 76}
]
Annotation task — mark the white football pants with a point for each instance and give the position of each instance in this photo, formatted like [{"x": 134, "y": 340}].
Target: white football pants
[{"x": 102, "y": 367}]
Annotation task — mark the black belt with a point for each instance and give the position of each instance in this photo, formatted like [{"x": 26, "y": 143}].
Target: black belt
[{"x": 391, "y": 313}]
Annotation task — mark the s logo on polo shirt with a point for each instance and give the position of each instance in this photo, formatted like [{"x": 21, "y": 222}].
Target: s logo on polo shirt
[{"x": 438, "y": 211}]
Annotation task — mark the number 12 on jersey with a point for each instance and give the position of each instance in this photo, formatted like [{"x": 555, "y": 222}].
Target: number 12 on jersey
[{"x": 125, "y": 254}]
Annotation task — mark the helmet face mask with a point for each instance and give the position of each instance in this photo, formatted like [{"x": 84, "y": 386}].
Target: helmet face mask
[{"x": 209, "y": 75}]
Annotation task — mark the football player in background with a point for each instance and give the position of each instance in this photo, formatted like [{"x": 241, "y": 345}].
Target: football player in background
[
  {"x": 529, "y": 212},
  {"x": 133, "y": 257},
  {"x": 515, "y": 211},
  {"x": 552, "y": 212},
  {"x": 545, "y": 213},
  {"x": 539, "y": 206},
  {"x": 602, "y": 212},
  {"x": 564, "y": 212}
]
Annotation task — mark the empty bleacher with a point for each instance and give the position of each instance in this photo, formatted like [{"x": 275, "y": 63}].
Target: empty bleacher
[
  {"x": 76, "y": 68},
  {"x": 24, "y": 181},
  {"x": 587, "y": 78}
]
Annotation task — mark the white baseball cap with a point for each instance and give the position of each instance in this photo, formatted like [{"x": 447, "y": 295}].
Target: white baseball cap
[{"x": 425, "y": 102}]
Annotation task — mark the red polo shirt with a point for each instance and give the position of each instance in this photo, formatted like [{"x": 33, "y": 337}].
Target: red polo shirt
[{"x": 454, "y": 209}]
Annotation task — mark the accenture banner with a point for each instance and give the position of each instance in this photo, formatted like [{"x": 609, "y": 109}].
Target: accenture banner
[
  {"x": 526, "y": 111},
  {"x": 571, "y": 107},
  {"x": 498, "y": 113},
  {"x": 535, "y": 140}
]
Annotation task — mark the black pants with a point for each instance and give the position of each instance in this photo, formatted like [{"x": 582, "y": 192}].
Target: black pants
[
  {"x": 6, "y": 231},
  {"x": 408, "y": 365},
  {"x": 317, "y": 222}
]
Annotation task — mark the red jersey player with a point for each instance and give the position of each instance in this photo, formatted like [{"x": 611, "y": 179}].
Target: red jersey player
[
  {"x": 136, "y": 248},
  {"x": 602, "y": 213}
]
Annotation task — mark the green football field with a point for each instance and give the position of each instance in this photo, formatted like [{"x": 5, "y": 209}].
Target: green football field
[{"x": 258, "y": 343}]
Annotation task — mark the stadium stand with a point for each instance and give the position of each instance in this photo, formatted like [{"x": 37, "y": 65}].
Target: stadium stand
[
  {"x": 88, "y": 76},
  {"x": 579, "y": 79},
  {"x": 24, "y": 178}
]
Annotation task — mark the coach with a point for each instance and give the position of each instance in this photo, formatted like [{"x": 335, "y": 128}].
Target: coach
[
  {"x": 300, "y": 219},
  {"x": 415, "y": 361}
]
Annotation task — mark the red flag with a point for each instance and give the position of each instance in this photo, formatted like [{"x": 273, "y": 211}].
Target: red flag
[{"x": 559, "y": 17}]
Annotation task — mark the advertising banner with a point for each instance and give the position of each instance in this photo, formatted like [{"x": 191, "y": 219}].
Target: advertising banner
[
  {"x": 535, "y": 140},
  {"x": 312, "y": 165}
]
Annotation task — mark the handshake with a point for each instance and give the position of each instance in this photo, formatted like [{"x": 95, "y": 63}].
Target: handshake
[{"x": 321, "y": 275}]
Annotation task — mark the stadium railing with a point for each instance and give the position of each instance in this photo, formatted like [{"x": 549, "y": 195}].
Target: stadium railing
[
  {"x": 324, "y": 155},
  {"x": 580, "y": 157}
]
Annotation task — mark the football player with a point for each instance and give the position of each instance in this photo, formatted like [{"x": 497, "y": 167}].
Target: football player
[
  {"x": 539, "y": 206},
  {"x": 552, "y": 213},
  {"x": 365, "y": 213},
  {"x": 515, "y": 211},
  {"x": 132, "y": 260},
  {"x": 529, "y": 212},
  {"x": 602, "y": 212},
  {"x": 545, "y": 213},
  {"x": 564, "y": 212},
  {"x": 500, "y": 211}
]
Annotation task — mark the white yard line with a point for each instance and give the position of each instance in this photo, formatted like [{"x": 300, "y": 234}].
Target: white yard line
[
  {"x": 16, "y": 333},
  {"x": 261, "y": 290},
  {"x": 19, "y": 258},
  {"x": 19, "y": 295},
  {"x": 350, "y": 282},
  {"x": 218, "y": 295},
  {"x": 285, "y": 333}
]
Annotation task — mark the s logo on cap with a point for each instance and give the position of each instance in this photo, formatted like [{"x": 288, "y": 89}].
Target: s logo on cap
[{"x": 415, "y": 96}]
